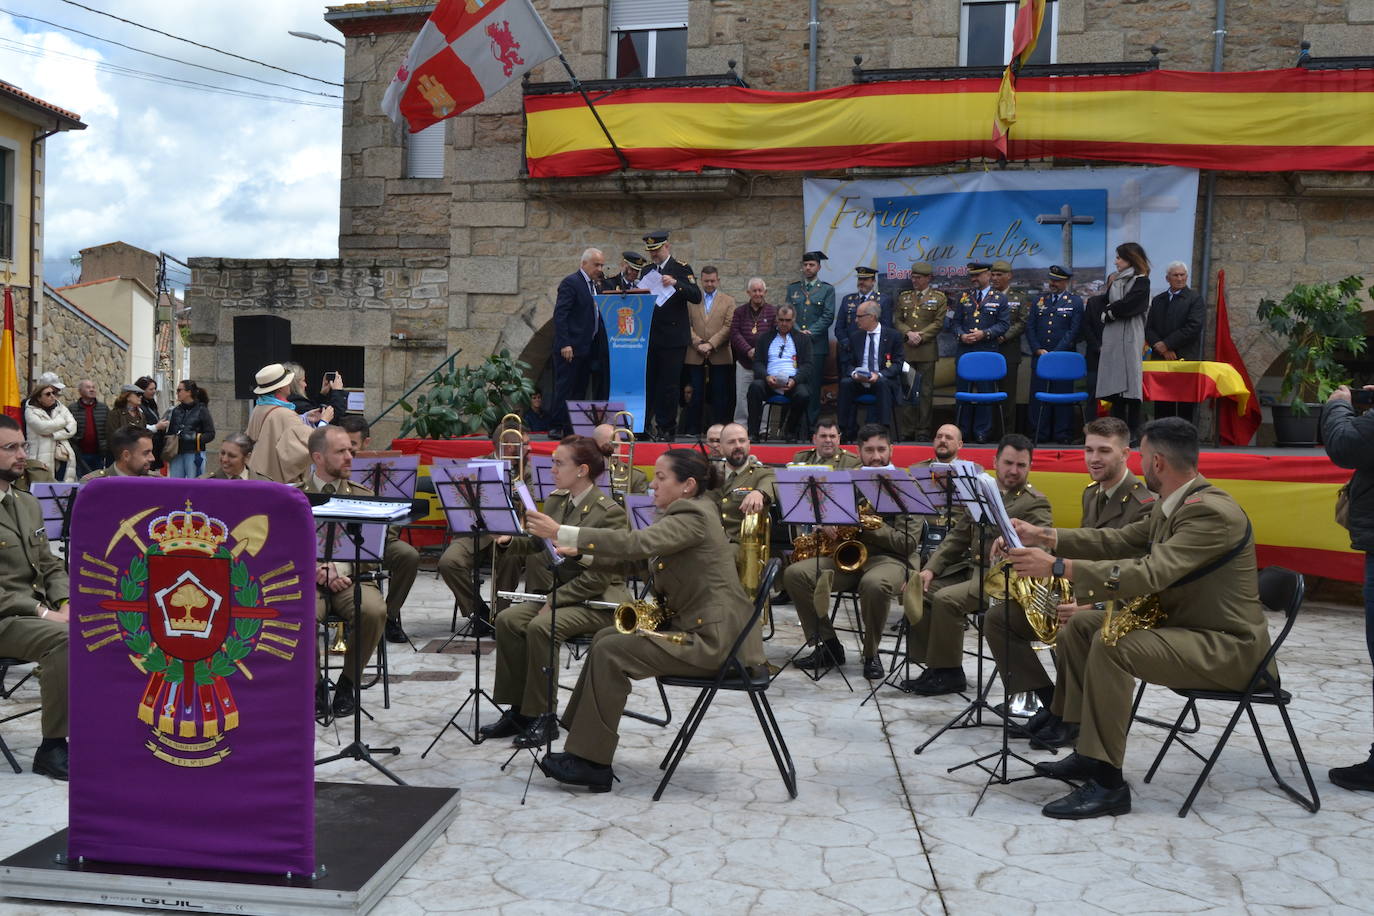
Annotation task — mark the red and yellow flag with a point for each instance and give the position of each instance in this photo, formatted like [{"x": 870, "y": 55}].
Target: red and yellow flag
[
  {"x": 1236, "y": 427},
  {"x": 1024, "y": 33},
  {"x": 9, "y": 374}
]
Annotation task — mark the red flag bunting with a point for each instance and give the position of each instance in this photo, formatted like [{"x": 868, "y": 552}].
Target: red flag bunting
[
  {"x": 9, "y": 373},
  {"x": 1235, "y": 428},
  {"x": 1025, "y": 32}
]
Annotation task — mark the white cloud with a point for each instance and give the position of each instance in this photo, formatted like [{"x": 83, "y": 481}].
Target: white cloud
[{"x": 168, "y": 168}]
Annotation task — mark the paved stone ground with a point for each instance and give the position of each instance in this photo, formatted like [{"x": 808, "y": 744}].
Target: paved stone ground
[{"x": 874, "y": 829}]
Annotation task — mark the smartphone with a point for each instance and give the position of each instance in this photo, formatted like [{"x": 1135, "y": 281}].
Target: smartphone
[
  {"x": 1362, "y": 397},
  {"x": 330, "y": 376}
]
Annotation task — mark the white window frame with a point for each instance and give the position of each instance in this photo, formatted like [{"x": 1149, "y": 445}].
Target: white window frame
[
  {"x": 422, "y": 143},
  {"x": 613, "y": 44},
  {"x": 1051, "y": 13}
]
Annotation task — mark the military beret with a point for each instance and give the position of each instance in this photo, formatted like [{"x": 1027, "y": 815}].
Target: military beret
[
  {"x": 1003, "y": 266},
  {"x": 923, "y": 268}
]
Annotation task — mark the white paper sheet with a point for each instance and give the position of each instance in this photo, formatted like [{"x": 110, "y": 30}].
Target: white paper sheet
[
  {"x": 528, "y": 501},
  {"x": 653, "y": 282}
]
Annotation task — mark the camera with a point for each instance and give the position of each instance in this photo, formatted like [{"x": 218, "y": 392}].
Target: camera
[{"x": 1362, "y": 397}]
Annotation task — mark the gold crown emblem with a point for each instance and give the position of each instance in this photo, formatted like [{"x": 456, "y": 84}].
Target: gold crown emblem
[
  {"x": 185, "y": 529},
  {"x": 189, "y": 598}
]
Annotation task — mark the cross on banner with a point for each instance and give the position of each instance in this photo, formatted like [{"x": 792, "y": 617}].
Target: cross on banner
[
  {"x": 1068, "y": 219},
  {"x": 1124, "y": 208}
]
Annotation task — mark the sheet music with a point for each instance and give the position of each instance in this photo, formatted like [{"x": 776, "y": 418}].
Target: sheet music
[
  {"x": 961, "y": 474},
  {"x": 993, "y": 497},
  {"x": 361, "y": 509},
  {"x": 528, "y": 501},
  {"x": 653, "y": 282}
]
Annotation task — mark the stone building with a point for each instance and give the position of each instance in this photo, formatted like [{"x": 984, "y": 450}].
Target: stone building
[
  {"x": 445, "y": 243},
  {"x": 80, "y": 346}
]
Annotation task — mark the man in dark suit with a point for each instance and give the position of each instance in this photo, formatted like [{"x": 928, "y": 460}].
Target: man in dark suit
[
  {"x": 782, "y": 358},
  {"x": 1174, "y": 331},
  {"x": 669, "y": 334},
  {"x": 579, "y": 339},
  {"x": 866, "y": 279},
  {"x": 871, "y": 363}
]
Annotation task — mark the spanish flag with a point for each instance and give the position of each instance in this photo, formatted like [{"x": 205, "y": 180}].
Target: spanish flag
[
  {"x": 1024, "y": 33},
  {"x": 9, "y": 375},
  {"x": 1235, "y": 427}
]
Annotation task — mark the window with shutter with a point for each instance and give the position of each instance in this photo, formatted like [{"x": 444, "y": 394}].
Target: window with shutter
[
  {"x": 647, "y": 38},
  {"x": 425, "y": 152}
]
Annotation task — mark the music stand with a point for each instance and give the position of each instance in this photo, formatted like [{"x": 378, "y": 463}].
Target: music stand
[
  {"x": 392, "y": 477},
  {"x": 586, "y": 416},
  {"x": 476, "y": 503},
  {"x": 642, "y": 510},
  {"x": 361, "y": 522},
  {"x": 814, "y": 496},
  {"x": 541, "y": 476},
  {"x": 55, "y": 498}
]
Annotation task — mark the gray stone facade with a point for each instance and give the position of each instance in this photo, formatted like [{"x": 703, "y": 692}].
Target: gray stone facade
[{"x": 80, "y": 347}]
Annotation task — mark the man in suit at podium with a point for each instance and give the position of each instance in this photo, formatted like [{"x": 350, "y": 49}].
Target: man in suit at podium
[
  {"x": 870, "y": 363},
  {"x": 579, "y": 339},
  {"x": 669, "y": 334}
]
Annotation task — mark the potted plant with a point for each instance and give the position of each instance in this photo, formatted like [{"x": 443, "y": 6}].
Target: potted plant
[
  {"x": 470, "y": 399},
  {"x": 1317, "y": 322}
]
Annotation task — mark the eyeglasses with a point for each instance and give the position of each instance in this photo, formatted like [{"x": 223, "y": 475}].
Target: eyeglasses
[{"x": 14, "y": 447}]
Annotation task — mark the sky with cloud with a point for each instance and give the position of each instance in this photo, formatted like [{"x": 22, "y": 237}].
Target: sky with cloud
[{"x": 185, "y": 170}]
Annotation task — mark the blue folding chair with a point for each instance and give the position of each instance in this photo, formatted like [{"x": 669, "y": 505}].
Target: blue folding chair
[
  {"x": 981, "y": 367},
  {"x": 1066, "y": 366},
  {"x": 770, "y": 404}
]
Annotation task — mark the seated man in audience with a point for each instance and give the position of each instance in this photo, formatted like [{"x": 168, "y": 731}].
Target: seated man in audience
[
  {"x": 870, "y": 363},
  {"x": 132, "y": 447},
  {"x": 782, "y": 360},
  {"x": 33, "y": 600},
  {"x": 748, "y": 486},
  {"x": 825, "y": 447}
]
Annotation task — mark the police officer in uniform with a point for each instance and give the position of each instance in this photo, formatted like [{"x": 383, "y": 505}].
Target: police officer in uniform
[
  {"x": 866, "y": 278},
  {"x": 1009, "y": 345},
  {"x": 919, "y": 318},
  {"x": 1055, "y": 321},
  {"x": 631, "y": 265},
  {"x": 749, "y": 486},
  {"x": 980, "y": 320},
  {"x": 825, "y": 447},
  {"x": 669, "y": 333},
  {"x": 814, "y": 300}
]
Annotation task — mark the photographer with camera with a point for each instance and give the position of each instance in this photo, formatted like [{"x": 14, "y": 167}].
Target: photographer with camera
[{"x": 1349, "y": 439}]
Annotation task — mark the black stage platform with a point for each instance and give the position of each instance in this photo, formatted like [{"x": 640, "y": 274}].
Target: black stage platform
[{"x": 366, "y": 837}]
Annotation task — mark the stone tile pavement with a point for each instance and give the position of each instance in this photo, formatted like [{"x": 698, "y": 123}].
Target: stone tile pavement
[{"x": 874, "y": 829}]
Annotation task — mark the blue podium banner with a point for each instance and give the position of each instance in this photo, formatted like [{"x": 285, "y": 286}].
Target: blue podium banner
[{"x": 627, "y": 318}]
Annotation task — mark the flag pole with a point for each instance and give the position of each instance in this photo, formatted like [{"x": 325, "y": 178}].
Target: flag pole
[{"x": 581, "y": 90}]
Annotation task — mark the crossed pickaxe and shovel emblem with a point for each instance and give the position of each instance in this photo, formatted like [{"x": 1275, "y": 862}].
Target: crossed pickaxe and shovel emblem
[{"x": 249, "y": 535}]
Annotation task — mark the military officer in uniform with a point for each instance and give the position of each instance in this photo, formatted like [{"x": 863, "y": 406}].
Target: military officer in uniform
[
  {"x": 132, "y": 448},
  {"x": 825, "y": 447},
  {"x": 631, "y": 265},
  {"x": 1115, "y": 498},
  {"x": 749, "y": 486},
  {"x": 981, "y": 318},
  {"x": 919, "y": 318},
  {"x": 1009, "y": 344},
  {"x": 894, "y": 552},
  {"x": 1196, "y": 552},
  {"x": 523, "y": 631},
  {"x": 866, "y": 279},
  {"x": 937, "y": 638},
  {"x": 814, "y": 301},
  {"x": 1054, "y": 325},
  {"x": 669, "y": 333}
]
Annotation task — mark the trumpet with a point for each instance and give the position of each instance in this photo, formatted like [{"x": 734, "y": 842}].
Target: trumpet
[{"x": 648, "y": 619}]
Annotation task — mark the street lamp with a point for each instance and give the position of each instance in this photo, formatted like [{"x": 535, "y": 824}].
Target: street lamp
[{"x": 313, "y": 37}]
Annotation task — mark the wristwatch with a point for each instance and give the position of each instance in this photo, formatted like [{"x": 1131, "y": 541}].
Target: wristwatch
[{"x": 1057, "y": 570}]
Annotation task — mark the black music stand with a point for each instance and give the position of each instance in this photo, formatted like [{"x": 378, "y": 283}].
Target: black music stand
[
  {"x": 391, "y": 476},
  {"x": 350, "y": 519},
  {"x": 476, "y": 503},
  {"x": 55, "y": 498},
  {"x": 814, "y": 497},
  {"x": 586, "y": 416}
]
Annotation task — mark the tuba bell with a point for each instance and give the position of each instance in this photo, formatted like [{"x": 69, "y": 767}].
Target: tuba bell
[
  {"x": 755, "y": 532},
  {"x": 647, "y": 619}
]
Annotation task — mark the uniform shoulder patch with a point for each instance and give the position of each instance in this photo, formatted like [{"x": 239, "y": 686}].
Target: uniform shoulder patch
[{"x": 1091, "y": 485}]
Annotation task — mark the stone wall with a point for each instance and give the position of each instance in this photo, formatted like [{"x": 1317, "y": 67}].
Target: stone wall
[{"x": 80, "y": 347}]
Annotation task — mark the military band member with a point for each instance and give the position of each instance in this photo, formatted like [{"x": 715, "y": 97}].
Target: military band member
[
  {"x": 713, "y": 441},
  {"x": 919, "y": 318},
  {"x": 604, "y": 435},
  {"x": 1196, "y": 552},
  {"x": 1115, "y": 498},
  {"x": 749, "y": 485},
  {"x": 631, "y": 265},
  {"x": 1055, "y": 322},
  {"x": 825, "y": 447},
  {"x": 982, "y": 316},
  {"x": 894, "y": 551},
  {"x": 234, "y": 451},
  {"x": 1009, "y": 344},
  {"x": 669, "y": 333},
  {"x": 937, "y": 638},
  {"x": 948, "y": 440},
  {"x": 523, "y": 631},
  {"x": 814, "y": 302},
  {"x": 132, "y": 448},
  {"x": 693, "y": 570},
  {"x": 866, "y": 279}
]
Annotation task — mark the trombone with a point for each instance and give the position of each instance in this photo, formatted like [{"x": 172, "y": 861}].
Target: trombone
[
  {"x": 622, "y": 454},
  {"x": 512, "y": 436}
]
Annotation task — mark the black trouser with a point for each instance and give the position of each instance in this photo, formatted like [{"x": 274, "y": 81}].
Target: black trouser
[
  {"x": 571, "y": 378},
  {"x": 1184, "y": 409},
  {"x": 662, "y": 386},
  {"x": 797, "y": 400},
  {"x": 1127, "y": 409},
  {"x": 713, "y": 396}
]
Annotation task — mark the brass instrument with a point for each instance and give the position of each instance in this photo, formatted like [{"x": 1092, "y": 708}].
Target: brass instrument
[
  {"x": 843, "y": 547},
  {"x": 622, "y": 454},
  {"x": 1039, "y": 598},
  {"x": 755, "y": 532},
  {"x": 1143, "y": 613},
  {"x": 647, "y": 619},
  {"x": 512, "y": 436}
]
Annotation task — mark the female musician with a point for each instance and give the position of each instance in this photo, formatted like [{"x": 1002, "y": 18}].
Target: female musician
[
  {"x": 234, "y": 452},
  {"x": 694, "y": 578},
  {"x": 523, "y": 631}
]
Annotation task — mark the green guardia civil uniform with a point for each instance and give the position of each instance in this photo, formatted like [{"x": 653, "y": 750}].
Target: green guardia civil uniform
[
  {"x": 814, "y": 301},
  {"x": 1010, "y": 344},
  {"x": 924, "y": 312}
]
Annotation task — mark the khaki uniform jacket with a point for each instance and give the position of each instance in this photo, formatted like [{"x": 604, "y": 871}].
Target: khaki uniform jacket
[
  {"x": 108, "y": 470},
  {"x": 1131, "y": 502},
  {"x": 1010, "y": 346},
  {"x": 1155, "y": 552},
  {"x": 960, "y": 545},
  {"x": 639, "y": 481},
  {"x": 36, "y": 472},
  {"x": 713, "y": 329},
  {"x": 29, "y": 573},
  {"x": 844, "y": 461},
  {"x": 282, "y": 452},
  {"x": 219, "y": 475},
  {"x": 693, "y": 570},
  {"x": 577, "y": 582},
  {"x": 899, "y": 537},
  {"x": 923, "y": 312},
  {"x": 755, "y": 475}
]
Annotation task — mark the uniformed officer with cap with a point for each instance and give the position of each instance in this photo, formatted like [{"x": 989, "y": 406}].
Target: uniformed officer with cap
[
  {"x": 980, "y": 319},
  {"x": 669, "y": 334},
  {"x": 631, "y": 265},
  {"x": 866, "y": 278},
  {"x": 1053, "y": 325},
  {"x": 814, "y": 300},
  {"x": 919, "y": 317},
  {"x": 1009, "y": 345}
]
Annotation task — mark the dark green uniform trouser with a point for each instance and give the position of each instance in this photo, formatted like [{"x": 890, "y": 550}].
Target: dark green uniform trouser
[
  {"x": 1012, "y": 643},
  {"x": 936, "y": 639},
  {"x": 522, "y": 650},
  {"x": 878, "y": 583},
  {"x": 340, "y": 604},
  {"x": 37, "y": 639},
  {"x": 401, "y": 561}
]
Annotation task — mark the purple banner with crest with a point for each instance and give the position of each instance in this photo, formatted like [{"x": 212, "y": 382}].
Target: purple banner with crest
[{"x": 192, "y": 675}]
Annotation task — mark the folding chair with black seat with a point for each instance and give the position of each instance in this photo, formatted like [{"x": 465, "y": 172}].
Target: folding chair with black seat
[
  {"x": 378, "y": 665},
  {"x": 770, "y": 406},
  {"x": 733, "y": 675},
  {"x": 577, "y": 648},
  {"x": 1279, "y": 590},
  {"x": 6, "y": 663}
]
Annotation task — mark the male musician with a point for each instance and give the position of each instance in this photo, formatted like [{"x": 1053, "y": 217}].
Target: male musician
[
  {"x": 579, "y": 338},
  {"x": 281, "y": 452},
  {"x": 669, "y": 333},
  {"x": 1115, "y": 498},
  {"x": 400, "y": 560},
  {"x": 632, "y": 263},
  {"x": 981, "y": 318},
  {"x": 782, "y": 360},
  {"x": 1196, "y": 552},
  {"x": 713, "y": 432},
  {"x": 752, "y": 319},
  {"x": 825, "y": 447},
  {"x": 605, "y": 437},
  {"x": 331, "y": 457},
  {"x": 937, "y": 638},
  {"x": 920, "y": 316},
  {"x": 894, "y": 550},
  {"x": 866, "y": 279},
  {"x": 814, "y": 302},
  {"x": 749, "y": 484},
  {"x": 1055, "y": 322},
  {"x": 1173, "y": 330},
  {"x": 870, "y": 364},
  {"x": 1009, "y": 344},
  {"x": 33, "y": 600},
  {"x": 710, "y": 365},
  {"x": 948, "y": 441},
  {"x": 132, "y": 447}
]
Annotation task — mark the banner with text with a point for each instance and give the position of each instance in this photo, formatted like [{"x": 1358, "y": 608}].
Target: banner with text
[{"x": 627, "y": 319}]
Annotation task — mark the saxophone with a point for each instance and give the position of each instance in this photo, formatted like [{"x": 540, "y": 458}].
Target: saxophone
[
  {"x": 647, "y": 619},
  {"x": 843, "y": 547},
  {"x": 1143, "y": 613}
]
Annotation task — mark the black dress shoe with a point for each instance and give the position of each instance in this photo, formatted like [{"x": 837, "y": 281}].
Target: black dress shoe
[
  {"x": 572, "y": 770},
  {"x": 1074, "y": 766},
  {"x": 52, "y": 762},
  {"x": 1038, "y": 721},
  {"x": 936, "y": 682},
  {"x": 537, "y": 733},
  {"x": 394, "y": 632},
  {"x": 1090, "y": 800},
  {"x": 344, "y": 705},
  {"x": 509, "y": 725},
  {"x": 321, "y": 698},
  {"x": 873, "y": 668},
  {"x": 1359, "y": 777},
  {"x": 1056, "y": 734},
  {"x": 827, "y": 655}
]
